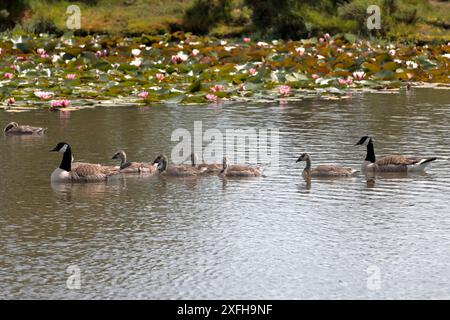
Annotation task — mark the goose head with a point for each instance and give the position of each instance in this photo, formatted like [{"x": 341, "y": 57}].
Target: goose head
[
  {"x": 61, "y": 147},
  {"x": 10, "y": 125},
  {"x": 161, "y": 160},
  {"x": 364, "y": 141},
  {"x": 304, "y": 157},
  {"x": 120, "y": 155}
]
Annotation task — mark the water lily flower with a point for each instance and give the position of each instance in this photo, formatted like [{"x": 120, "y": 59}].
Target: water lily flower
[
  {"x": 10, "y": 101},
  {"x": 159, "y": 76},
  {"x": 315, "y": 76},
  {"x": 339, "y": 50},
  {"x": 326, "y": 36},
  {"x": 349, "y": 80},
  {"x": 71, "y": 76},
  {"x": 136, "y": 62},
  {"x": 359, "y": 75},
  {"x": 217, "y": 88},
  {"x": 252, "y": 71},
  {"x": 56, "y": 58},
  {"x": 143, "y": 94},
  {"x": 179, "y": 57},
  {"x": 1, "y": 50},
  {"x": 101, "y": 53},
  {"x": 411, "y": 65},
  {"x": 392, "y": 52},
  {"x": 300, "y": 50},
  {"x": 8, "y": 75},
  {"x": 60, "y": 103},
  {"x": 262, "y": 44},
  {"x": 246, "y": 39},
  {"x": 13, "y": 67},
  {"x": 284, "y": 89},
  {"x": 321, "y": 40},
  {"x": 342, "y": 82},
  {"x": 195, "y": 52},
  {"x": 211, "y": 97},
  {"x": 223, "y": 42},
  {"x": 135, "y": 52},
  {"x": 44, "y": 95}
]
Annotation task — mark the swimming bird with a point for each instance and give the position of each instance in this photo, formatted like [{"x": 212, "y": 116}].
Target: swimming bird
[
  {"x": 132, "y": 167},
  {"x": 324, "y": 170},
  {"x": 238, "y": 170},
  {"x": 176, "y": 170},
  {"x": 391, "y": 163},
  {"x": 206, "y": 168},
  {"x": 13, "y": 128},
  {"x": 78, "y": 172}
]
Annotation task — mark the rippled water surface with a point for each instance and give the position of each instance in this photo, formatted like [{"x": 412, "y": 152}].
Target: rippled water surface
[{"x": 273, "y": 238}]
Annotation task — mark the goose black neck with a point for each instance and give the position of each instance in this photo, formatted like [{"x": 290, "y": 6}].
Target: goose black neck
[
  {"x": 66, "y": 163},
  {"x": 370, "y": 152}
]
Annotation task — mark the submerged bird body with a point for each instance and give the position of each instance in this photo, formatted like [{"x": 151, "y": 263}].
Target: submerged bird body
[
  {"x": 13, "y": 128},
  {"x": 176, "y": 170},
  {"x": 132, "y": 167},
  {"x": 391, "y": 163},
  {"x": 79, "y": 171},
  {"x": 238, "y": 170},
  {"x": 324, "y": 171}
]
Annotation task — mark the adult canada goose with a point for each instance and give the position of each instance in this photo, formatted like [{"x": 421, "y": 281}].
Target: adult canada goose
[
  {"x": 175, "y": 170},
  {"x": 324, "y": 170},
  {"x": 13, "y": 128},
  {"x": 132, "y": 167},
  {"x": 78, "y": 172},
  {"x": 238, "y": 170},
  {"x": 206, "y": 168},
  {"x": 391, "y": 163}
]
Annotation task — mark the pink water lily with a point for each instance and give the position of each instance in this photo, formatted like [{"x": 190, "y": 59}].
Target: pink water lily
[
  {"x": 44, "y": 95},
  {"x": 252, "y": 71},
  {"x": 284, "y": 89},
  {"x": 8, "y": 75},
  {"x": 342, "y": 82},
  {"x": 71, "y": 76},
  {"x": 300, "y": 50},
  {"x": 179, "y": 58},
  {"x": 326, "y": 36},
  {"x": 1, "y": 50},
  {"x": 315, "y": 76},
  {"x": 217, "y": 88},
  {"x": 159, "y": 76},
  {"x": 211, "y": 97},
  {"x": 359, "y": 75},
  {"x": 247, "y": 39},
  {"x": 143, "y": 94},
  {"x": 10, "y": 101},
  {"x": 195, "y": 52},
  {"x": 60, "y": 103}
]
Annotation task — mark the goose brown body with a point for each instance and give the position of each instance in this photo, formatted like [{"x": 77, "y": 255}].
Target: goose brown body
[
  {"x": 132, "y": 167},
  {"x": 238, "y": 170},
  {"x": 176, "y": 170},
  {"x": 324, "y": 170}
]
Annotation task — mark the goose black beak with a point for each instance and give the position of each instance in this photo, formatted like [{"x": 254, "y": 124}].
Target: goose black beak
[{"x": 53, "y": 150}]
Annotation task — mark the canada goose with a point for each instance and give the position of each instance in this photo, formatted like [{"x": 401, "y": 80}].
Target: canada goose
[
  {"x": 132, "y": 167},
  {"x": 206, "y": 168},
  {"x": 391, "y": 163},
  {"x": 324, "y": 170},
  {"x": 14, "y": 128},
  {"x": 175, "y": 170},
  {"x": 238, "y": 170},
  {"x": 78, "y": 172}
]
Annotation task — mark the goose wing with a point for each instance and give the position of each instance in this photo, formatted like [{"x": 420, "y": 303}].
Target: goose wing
[
  {"x": 91, "y": 172},
  {"x": 394, "y": 160}
]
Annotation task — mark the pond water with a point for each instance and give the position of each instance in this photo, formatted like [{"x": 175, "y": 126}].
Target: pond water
[{"x": 266, "y": 238}]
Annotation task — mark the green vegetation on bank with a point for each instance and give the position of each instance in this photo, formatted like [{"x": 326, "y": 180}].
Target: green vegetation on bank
[{"x": 413, "y": 20}]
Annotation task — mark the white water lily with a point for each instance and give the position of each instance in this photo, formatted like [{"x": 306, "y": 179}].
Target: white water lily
[
  {"x": 300, "y": 50},
  {"x": 135, "y": 52},
  {"x": 223, "y": 42},
  {"x": 411, "y": 64},
  {"x": 262, "y": 44},
  {"x": 136, "y": 62},
  {"x": 229, "y": 48}
]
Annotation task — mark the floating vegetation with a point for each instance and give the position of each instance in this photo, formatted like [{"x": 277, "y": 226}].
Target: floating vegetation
[{"x": 72, "y": 73}]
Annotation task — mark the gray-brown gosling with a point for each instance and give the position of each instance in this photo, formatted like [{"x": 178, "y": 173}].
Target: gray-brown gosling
[
  {"x": 391, "y": 163},
  {"x": 206, "y": 168},
  {"x": 13, "y": 128},
  {"x": 175, "y": 170},
  {"x": 324, "y": 171},
  {"x": 132, "y": 167},
  {"x": 78, "y": 172},
  {"x": 238, "y": 170}
]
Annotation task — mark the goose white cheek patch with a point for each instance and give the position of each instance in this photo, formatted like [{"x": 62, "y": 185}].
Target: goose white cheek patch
[{"x": 63, "y": 149}]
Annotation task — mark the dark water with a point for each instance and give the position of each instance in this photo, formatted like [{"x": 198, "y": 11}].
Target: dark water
[{"x": 270, "y": 238}]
